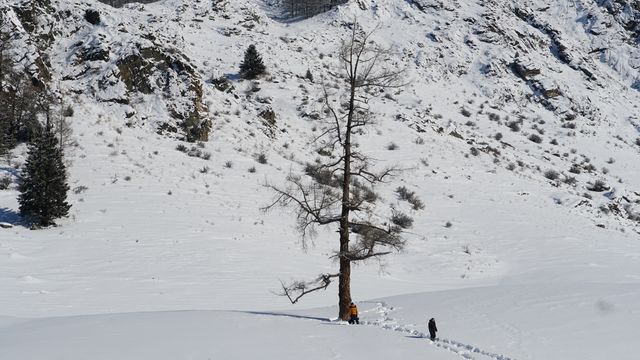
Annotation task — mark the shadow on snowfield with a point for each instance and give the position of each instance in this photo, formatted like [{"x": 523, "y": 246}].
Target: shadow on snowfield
[
  {"x": 266, "y": 313},
  {"x": 11, "y": 216}
]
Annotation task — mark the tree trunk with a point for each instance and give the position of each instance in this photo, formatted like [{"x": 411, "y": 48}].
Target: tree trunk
[
  {"x": 344, "y": 284},
  {"x": 344, "y": 289}
]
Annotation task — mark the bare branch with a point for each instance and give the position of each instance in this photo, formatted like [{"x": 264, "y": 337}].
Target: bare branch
[
  {"x": 312, "y": 204},
  {"x": 297, "y": 289},
  {"x": 372, "y": 178}
]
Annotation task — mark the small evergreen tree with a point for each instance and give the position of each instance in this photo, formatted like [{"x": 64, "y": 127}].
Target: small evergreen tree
[
  {"x": 43, "y": 189},
  {"x": 252, "y": 65}
]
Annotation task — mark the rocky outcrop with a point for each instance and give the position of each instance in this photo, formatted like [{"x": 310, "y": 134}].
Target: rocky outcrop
[
  {"x": 120, "y": 3},
  {"x": 155, "y": 70},
  {"x": 108, "y": 63}
]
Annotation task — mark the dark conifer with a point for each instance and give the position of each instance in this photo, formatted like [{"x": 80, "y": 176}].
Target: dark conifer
[
  {"x": 43, "y": 189},
  {"x": 252, "y": 66}
]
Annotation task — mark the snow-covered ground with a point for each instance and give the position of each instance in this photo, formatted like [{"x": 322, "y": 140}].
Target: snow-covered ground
[{"x": 167, "y": 256}]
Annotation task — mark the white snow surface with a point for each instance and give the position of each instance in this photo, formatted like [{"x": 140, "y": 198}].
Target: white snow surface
[{"x": 166, "y": 256}]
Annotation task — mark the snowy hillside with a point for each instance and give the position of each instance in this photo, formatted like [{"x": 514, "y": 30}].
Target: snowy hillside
[{"x": 513, "y": 111}]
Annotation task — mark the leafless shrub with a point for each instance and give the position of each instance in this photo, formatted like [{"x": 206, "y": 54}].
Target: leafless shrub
[
  {"x": 514, "y": 126},
  {"x": 598, "y": 186},
  {"x": 551, "y": 174},
  {"x": 402, "y": 220},
  {"x": 575, "y": 169},
  {"x": 5, "y": 182},
  {"x": 535, "y": 138},
  {"x": 410, "y": 197},
  {"x": 80, "y": 189},
  {"x": 570, "y": 180}
]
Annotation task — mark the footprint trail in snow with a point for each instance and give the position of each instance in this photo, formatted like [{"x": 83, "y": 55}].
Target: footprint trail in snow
[{"x": 465, "y": 351}]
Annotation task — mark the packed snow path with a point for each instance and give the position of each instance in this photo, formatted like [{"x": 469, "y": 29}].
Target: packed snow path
[{"x": 466, "y": 351}]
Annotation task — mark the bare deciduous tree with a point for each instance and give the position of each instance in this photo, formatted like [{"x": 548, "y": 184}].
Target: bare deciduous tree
[{"x": 340, "y": 190}]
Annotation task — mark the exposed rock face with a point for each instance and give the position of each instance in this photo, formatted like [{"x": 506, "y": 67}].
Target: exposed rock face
[
  {"x": 153, "y": 70},
  {"x": 119, "y": 3},
  {"x": 111, "y": 64}
]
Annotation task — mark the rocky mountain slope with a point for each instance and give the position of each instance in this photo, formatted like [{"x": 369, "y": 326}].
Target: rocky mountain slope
[{"x": 530, "y": 84}]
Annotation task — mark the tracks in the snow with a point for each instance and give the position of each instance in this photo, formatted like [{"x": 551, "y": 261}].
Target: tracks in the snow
[{"x": 465, "y": 351}]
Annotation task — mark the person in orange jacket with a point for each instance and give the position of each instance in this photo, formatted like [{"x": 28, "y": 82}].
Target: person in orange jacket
[{"x": 353, "y": 311}]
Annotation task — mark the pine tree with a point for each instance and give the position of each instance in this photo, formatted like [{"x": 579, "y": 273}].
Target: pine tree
[
  {"x": 43, "y": 190},
  {"x": 252, "y": 65}
]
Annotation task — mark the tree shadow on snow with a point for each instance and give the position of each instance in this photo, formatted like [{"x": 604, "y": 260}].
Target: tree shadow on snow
[
  {"x": 266, "y": 313},
  {"x": 12, "y": 217},
  {"x": 9, "y": 170},
  {"x": 233, "y": 76}
]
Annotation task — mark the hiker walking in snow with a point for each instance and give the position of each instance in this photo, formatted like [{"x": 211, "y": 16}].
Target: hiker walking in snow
[
  {"x": 353, "y": 312},
  {"x": 432, "y": 328}
]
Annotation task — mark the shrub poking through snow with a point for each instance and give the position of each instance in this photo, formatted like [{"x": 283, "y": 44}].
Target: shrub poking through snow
[
  {"x": 182, "y": 148},
  {"x": 575, "y": 169},
  {"x": 570, "y": 180},
  {"x": 5, "y": 181},
  {"x": 261, "y": 158},
  {"x": 401, "y": 219},
  {"x": 513, "y": 125},
  {"x": 410, "y": 197},
  {"x": 551, "y": 174},
  {"x": 535, "y": 138},
  {"x": 598, "y": 186}
]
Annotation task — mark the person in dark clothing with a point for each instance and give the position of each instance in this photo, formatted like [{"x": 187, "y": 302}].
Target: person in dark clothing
[
  {"x": 432, "y": 328},
  {"x": 353, "y": 312}
]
